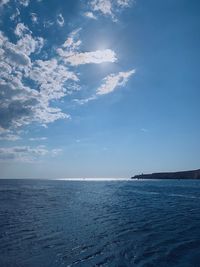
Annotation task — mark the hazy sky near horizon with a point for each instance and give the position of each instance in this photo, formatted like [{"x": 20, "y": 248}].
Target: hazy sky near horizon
[{"x": 98, "y": 88}]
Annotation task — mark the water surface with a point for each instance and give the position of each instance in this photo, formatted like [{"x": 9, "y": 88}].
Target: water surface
[{"x": 108, "y": 223}]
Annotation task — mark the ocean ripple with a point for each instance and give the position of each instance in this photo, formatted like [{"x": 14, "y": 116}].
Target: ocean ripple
[{"x": 77, "y": 223}]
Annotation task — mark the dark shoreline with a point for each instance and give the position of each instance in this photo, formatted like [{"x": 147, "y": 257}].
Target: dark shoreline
[{"x": 183, "y": 175}]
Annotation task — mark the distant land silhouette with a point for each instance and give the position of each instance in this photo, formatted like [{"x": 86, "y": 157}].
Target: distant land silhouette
[{"x": 194, "y": 174}]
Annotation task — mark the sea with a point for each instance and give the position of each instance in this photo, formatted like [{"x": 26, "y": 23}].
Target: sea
[{"x": 139, "y": 223}]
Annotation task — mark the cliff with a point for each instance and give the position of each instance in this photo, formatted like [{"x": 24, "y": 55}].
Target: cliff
[{"x": 194, "y": 174}]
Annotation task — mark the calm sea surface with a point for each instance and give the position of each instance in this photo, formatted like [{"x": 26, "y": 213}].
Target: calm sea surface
[{"x": 108, "y": 223}]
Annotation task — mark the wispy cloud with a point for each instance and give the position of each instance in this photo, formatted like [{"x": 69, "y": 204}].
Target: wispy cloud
[
  {"x": 73, "y": 42},
  {"x": 48, "y": 23},
  {"x": 51, "y": 76},
  {"x": 34, "y": 18},
  {"x": 124, "y": 3},
  {"x": 103, "y": 6},
  {"x": 26, "y": 153},
  {"x": 60, "y": 20},
  {"x": 90, "y": 15},
  {"x": 112, "y": 81},
  {"x": 108, "y": 8},
  {"x": 21, "y": 29},
  {"x": 38, "y": 139},
  {"x": 96, "y": 57},
  {"x": 24, "y": 2},
  {"x": 27, "y": 43},
  {"x": 70, "y": 52},
  {"x": 85, "y": 100},
  {"x": 9, "y": 137},
  {"x": 15, "y": 15}
]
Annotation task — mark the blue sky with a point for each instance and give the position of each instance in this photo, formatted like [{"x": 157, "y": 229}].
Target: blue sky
[{"x": 98, "y": 88}]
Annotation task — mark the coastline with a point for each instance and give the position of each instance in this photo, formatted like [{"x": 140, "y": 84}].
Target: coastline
[{"x": 181, "y": 175}]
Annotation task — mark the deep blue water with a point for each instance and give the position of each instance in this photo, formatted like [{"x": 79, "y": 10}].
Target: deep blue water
[{"x": 81, "y": 223}]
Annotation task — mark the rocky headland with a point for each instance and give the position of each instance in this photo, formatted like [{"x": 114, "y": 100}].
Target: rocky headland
[{"x": 193, "y": 174}]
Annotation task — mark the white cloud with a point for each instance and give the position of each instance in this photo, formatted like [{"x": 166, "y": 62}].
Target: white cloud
[
  {"x": 51, "y": 76},
  {"x": 21, "y": 104},
  {"x": 34, "y": 18},
  {"x": 97, "y": 57},
  {"x": 27, "y": 44},
  {"x": 15, "y": 15},
  {"x": 24, "y": 2},
  {"x": 9, "y": 137},
  {"x": 60, "y": 20},
  {"x": 71, "y": 45},
  {"x": 11, "y": 54},
  {"x": 90, "y": 15},
  {"x": 112, "y": 81},
  {"x": 70, "y": 52},
  {"x": 3, "y": 2},
  {"x": 26, "y": 153},
  {"x": 124, "y": 3},
  {"x": 38, "y": 139},
  {"x": 85, "y": 100},
  {"x": 21, "y": 29},
  {"x": 103, "y": 6},
  {"x": 108, "y": 8},
  {"x": 48, "y": 23}
]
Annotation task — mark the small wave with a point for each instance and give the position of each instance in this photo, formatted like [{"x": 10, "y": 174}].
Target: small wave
[
  {"x": 184, "y": 196},
  {"x": 169, "y": 195},
  {"x": 181, "y": 248}
]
